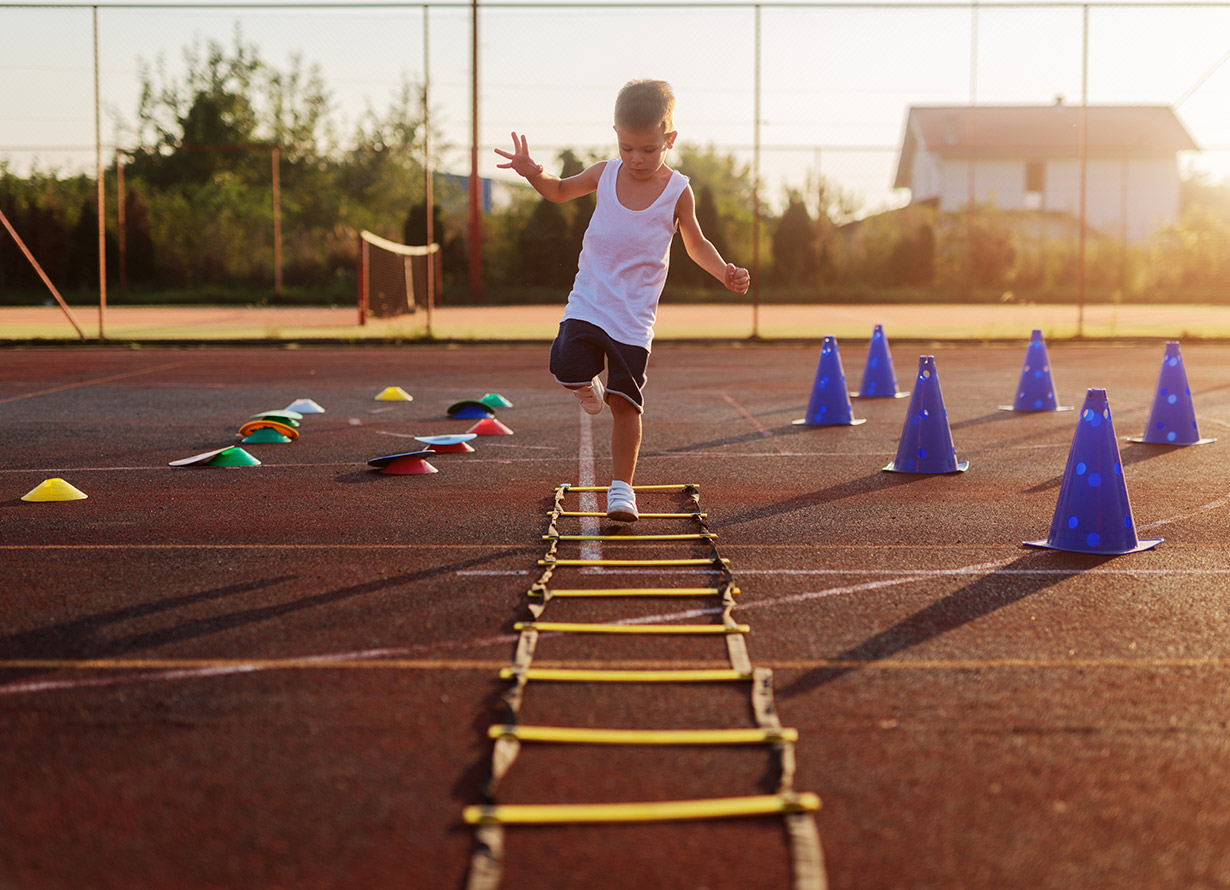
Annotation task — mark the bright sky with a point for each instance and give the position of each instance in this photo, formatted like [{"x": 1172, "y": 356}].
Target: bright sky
[{"x": 836, "y": 82}]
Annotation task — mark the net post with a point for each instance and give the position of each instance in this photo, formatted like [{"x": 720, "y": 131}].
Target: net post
[
  {"x": 408, "y": 274},
  {"x": 431, "y": 282},
  {"x": 277, "y": 221},
  {"x": 121, "y": 220},
  {"x": 101, "y": 193},
  {"x": 361, "y": 277}
]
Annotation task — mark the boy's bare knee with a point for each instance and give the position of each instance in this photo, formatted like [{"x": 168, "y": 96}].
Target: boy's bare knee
[{"x": 621, "y": 406}]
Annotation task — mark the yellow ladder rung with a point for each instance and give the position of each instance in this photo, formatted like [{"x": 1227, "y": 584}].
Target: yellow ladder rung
[
  {"x": 585, "y": 736},
  {"x": 694, "y": 536},
  {"x": 654, "y": 811},
  {"x": 642, "y": 515},
  {"x": 631, "y": 562},
  {"x": 679, "y": 487},
  {"x": 583, "y": 675},
  {"x": 579, "y": 628},
  {"x": 637, "y": 591}
]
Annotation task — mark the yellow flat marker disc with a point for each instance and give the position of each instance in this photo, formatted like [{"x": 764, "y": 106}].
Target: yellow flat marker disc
[
  {"x": 583, "y": 675},
  {"x": 663, "y": 811},
  {"x": 586, "y": 736}
]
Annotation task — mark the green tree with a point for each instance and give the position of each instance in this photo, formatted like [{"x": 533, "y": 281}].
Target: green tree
[
  {"x": 579, "y": 211},
  {"x": 546, "y": 259},
  {"x": 794, "y": 245},
  {"x": 139, "y": 259},
  {"x": 683, "y": 270}
]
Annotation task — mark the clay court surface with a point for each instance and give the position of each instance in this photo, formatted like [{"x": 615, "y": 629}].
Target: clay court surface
[{"x": 282, "y": 676}]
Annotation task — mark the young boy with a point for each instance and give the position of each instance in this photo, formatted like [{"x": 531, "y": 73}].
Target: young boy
[{"x": 622, "y": 268}]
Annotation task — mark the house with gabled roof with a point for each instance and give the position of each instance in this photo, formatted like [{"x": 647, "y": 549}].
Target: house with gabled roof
[{"x": 1029, "y": 157}]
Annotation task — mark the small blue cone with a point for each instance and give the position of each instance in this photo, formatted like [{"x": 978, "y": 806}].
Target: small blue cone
[
  {"x": 1036, "y": 390},
  {"x": 926, "y": 440},
  {"x": 1173, "y": 418},
  {"x": 1093, "y": 514},
  {"x": 879, "y": 378},
  {"x": 829, "y": 404}
]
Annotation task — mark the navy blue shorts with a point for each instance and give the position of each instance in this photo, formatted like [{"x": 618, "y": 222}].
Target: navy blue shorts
[{"x": 581, "y": 350}]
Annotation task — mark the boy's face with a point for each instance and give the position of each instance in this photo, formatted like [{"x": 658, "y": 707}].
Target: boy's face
[{"x": 643, "y": 152}]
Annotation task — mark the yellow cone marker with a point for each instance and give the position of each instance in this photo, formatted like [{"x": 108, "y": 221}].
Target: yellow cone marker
[
  {"x": 394, "y": 394},
  {"x": 55, "y": 490}
]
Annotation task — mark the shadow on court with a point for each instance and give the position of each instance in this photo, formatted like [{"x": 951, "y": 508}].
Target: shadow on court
[
  {"x": 86, "y": 637},
  {"x": 975, "y": 600},
  {"x": 1130, "y": 454},
  {"x": 878, "y": 481},
  {"x": 757, "y": 436}
]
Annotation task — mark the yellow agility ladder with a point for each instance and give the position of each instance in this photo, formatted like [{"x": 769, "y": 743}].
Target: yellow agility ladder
[{"x": 489, "y": 819}]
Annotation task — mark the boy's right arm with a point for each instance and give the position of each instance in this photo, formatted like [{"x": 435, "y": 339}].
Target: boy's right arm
[{"x": 550, "y": 187}]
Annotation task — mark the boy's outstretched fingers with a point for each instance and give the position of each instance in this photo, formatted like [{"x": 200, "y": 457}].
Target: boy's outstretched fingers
[
  {"x": 517, "y": 148},
  {"x": 519, "y": 159}
]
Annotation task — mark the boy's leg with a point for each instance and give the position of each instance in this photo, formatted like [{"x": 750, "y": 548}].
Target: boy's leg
[
  {"x": 623, "y": 395},
  {"x": 577, "y": 358},
  {"x": 625, "y": 439}
]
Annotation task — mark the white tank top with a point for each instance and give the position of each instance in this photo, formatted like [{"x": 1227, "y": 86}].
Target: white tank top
[{"x": 624, "y": 259}]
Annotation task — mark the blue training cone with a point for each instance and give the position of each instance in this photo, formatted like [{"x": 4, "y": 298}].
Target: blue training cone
[
  {"x": 829, "y": 404},
  {"x": 1173, "y": 418},
  {"x": 879, "y": 380},
  {"x": 1093, "y": 514},
  {"x": 1036, "y": 390},
  {"x": 926, "y": 441}
]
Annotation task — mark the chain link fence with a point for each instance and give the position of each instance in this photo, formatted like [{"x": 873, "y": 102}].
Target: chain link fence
[{"x": 818, "y": 130}]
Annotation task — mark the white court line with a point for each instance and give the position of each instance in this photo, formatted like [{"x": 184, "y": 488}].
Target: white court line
[
  {"x": 774, "y": 603},
  {"x": 889, "y": 578},
  {"x": 94, "y": 382},
  {"x": 28, "y": 687},
  {"x": 1093, "y": 570},
  {"x": 1212, "y": 505},
  {"x": 1205, "y": 419},
  {"x": 585, "y": 476}
]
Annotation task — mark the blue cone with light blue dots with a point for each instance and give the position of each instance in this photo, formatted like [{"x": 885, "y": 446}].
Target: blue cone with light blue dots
[
  {"x": 926, "y": 441},
  {"x": 829, "y": 404},
  {"x": 1093, "y": 514},
  {"x": 879, "y": 379},
  {"x": 1036, "y": 390},
  {"x": 1173, "y": 418}
]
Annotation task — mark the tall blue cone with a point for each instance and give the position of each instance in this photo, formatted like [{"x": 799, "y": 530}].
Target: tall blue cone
[
  {"x": 829, "y": 404},
  {"x": 1036, "y": 390},
  {"x": 1093, "y": 514},
  {"x": 879, "y": 380},
  {"x": 926, "y": 441},
  {"x": 1173, "y": 418}
]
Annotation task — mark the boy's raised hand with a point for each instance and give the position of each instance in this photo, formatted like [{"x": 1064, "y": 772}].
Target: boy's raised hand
[
  {"x": 519, "y": 160},
  {"x": 737, "y": 279}
]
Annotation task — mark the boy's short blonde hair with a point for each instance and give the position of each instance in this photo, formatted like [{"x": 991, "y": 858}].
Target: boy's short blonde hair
[{"x": 646, "y": 105}]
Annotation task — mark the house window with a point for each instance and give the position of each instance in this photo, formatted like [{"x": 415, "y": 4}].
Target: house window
[{"x": 1035, "y": 184}]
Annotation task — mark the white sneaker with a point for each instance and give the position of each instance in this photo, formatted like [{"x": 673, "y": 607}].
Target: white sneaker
[
  {"x": 621, "y": 502},
  {"x": 590, "y": 396}
]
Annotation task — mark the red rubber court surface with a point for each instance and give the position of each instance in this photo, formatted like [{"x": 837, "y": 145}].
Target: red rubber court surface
[{"x": 282, "y": 676}]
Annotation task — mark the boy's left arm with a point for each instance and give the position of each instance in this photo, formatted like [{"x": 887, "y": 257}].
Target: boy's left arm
[{"x": 701, "y": 249}]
